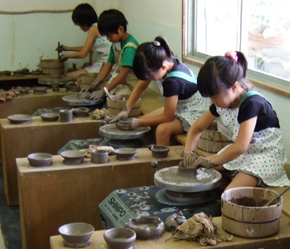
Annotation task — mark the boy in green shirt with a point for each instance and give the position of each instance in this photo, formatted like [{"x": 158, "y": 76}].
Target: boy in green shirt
[{"x": 113, "y": 24}]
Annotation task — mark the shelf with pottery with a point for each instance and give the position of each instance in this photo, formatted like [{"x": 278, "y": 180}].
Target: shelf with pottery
[
  {"x": 19, "y": 140},
  {"x": 280, "y": 240},
  {"x": 60, "y": 194}
]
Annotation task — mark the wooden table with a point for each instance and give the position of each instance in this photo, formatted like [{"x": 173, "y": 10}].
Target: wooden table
[
  {"x": 52, "y": 196},
  {"x": 29, "y": 103},
  {"x": 280, "y": 240},
  {"x": 19, "y": 140}
]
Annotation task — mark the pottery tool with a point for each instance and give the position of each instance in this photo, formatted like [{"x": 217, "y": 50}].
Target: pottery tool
[{"x": 277, "y": 197}]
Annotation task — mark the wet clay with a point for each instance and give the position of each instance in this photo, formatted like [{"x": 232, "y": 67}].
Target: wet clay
[{"x": 249, "y": 202}]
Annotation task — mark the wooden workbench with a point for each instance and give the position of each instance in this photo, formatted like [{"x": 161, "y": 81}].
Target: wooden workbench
[
  {"x": 59, "y": 194},
  {"x": 29, "y": 103},
  {"x": 280, "y": 240},
  {"x": 19, "y": 140}
]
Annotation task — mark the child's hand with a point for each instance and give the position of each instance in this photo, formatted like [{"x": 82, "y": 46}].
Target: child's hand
[
  {"x": 204, "y": 162},
  {"x": 189, "y": 158},
  {"x": 134, "y": 123}
]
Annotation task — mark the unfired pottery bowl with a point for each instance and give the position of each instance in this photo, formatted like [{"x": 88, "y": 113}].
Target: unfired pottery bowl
[
  {"x": 50, "y": 116},
  {"x": 124, "y": 154},
  {"x": 146, "y": 227},
  {"x": 73, "y": 157},
  {"x": 120, "y": 238},
  {"x": 76, "y": 234},
  {"x": 159, "y": 151},
  {"x": 19, "y": 118},
  {"x": 81, "y": 112},
  {"x": 40, "y": 90},
  {"x": 40, "y": 159}
]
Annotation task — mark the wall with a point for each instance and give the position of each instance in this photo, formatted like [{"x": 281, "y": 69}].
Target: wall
[{"x": 28, "y": 37}]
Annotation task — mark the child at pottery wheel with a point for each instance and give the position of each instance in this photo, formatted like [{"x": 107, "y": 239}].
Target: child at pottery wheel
[
  {"x": 257, "y": 155},
  {"x": 86, "y": 18},
  {"x": 183, "y": 104},
  {"x": 113, "y": 24}
]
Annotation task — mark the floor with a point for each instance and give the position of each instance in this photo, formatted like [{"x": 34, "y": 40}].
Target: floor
[{"x": 10, "y": 237}]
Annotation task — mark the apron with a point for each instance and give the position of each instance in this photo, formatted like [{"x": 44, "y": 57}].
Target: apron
[
  {"x": 188, "y": 110},
  {"x": 126, "y": 87},
  {"x": 265, "y": 156}
]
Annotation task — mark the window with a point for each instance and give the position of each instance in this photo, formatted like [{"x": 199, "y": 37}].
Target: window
[{"x": 258, "y": 28}]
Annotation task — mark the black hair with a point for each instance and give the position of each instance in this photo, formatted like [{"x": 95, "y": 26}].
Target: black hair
[
  {"x": 150, "y": 56},
  {"x": 110, "y": 21},
  {"x": 219, "y": 73},
  {"x": 84, "y": 15}
]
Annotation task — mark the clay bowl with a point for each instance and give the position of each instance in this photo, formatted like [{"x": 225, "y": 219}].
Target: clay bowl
[
  {"x": 19, "y": 118},
  {"x": 146, "y": 227},
  {"x": 244, "y": 213},
  {"x": 120, "y": 238},
  {"x": 76, "y": 234},
  {"x": 73, "y": 157},
  {"x": 124, "y": 154},
  {"x": 81, "y": 112},
  {"x": 50, "y": 116},
  {"x": 40, "y": 90},
  {"x": 40, "y": 159},
  {"x": 159, "y": 151},
  {"x": 124, "y": 125}
]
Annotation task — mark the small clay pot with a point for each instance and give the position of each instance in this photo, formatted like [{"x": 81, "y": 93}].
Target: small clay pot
[
  {"x": 159, "y": 151},
  {"x": 120, "y": 238},
  {"x": 66, "y": 115},
  {"x": 40, "y": 90},
  {"x": 100, "y": 156},
  {"x": 40, "y": 159},
  {"x": 73, "y": 157},
  {"x": 81, "y": 112},
  {"x": 50, "y": 116},
  {"x": 146, "y": 227},
  {"x": 124, "y": 154}
]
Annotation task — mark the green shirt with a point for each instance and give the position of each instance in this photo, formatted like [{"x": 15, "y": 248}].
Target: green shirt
[{"x": 128, "y": 53}]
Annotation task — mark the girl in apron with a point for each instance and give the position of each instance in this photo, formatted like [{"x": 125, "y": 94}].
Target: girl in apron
[
  {"x": 182, "y": 102},
  {"x": 257, "y": 155}
]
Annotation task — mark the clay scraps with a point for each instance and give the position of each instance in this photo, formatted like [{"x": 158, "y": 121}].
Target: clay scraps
[{"x": 200, "y": 228}]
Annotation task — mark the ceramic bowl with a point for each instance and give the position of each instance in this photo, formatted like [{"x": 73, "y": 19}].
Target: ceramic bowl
[
  {"x": 159, "y": 151},
  {"x": 124, "y": 154},
  {"x": 146, "y": 227},
  {"x": 50, "y": 116},
  {"x": 120, "y": 238},
  {"x": 40, "y": 159},
  {"x": 76, "y": 234},
  {"x": 19, "y": 118},
  {"x": 81, "y": 112},
  {"x": 73, "y": 157}
]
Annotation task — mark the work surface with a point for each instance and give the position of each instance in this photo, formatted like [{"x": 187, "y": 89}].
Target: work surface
[
  {"x": 280, "y": 240},
  {"x": 52, "y": 196},
  {"x": 19, "y": 140}
]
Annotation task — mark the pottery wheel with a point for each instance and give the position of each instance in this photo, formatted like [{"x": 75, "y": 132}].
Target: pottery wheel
[
  {"x": 76, "y": 100},
  {"x": 176, "y": 180},
  {"x": 48, "y": 80},
  {"x": 112, "y": 132}
]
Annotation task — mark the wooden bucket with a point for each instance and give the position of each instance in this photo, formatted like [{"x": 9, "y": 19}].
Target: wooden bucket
[
  {"x": 211, "y": 140},
  {"x": 115, "y": 107},
  {"x": 243, "y": 213},
  {"x": 52, "y": 66},
  {"x": 85, "y": 80}
]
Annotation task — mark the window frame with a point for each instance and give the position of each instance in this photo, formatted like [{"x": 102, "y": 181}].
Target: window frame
[{"x": 261, "y": 80}]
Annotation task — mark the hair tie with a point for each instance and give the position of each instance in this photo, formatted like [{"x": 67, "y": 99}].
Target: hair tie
[
  {"x": 233, "y": 55},
  {"x": 156, "y": 43}
]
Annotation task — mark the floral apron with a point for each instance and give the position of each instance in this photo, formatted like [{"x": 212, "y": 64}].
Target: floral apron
[{"x": 265, "y": 156}]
